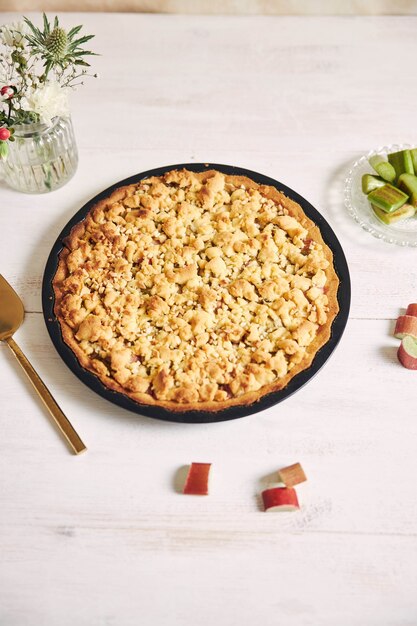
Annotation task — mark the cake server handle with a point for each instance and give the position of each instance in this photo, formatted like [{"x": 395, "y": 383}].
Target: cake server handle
[{"x": 63, "y": 423}]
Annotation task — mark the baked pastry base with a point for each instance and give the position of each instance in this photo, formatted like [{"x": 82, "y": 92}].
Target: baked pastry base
[{"x": 244, "y": 399}]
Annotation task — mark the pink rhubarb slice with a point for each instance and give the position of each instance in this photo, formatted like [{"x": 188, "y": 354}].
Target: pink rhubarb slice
[
  {"x": 407, "y": 353},
  {"x": 280, "y": 499},
  {"x": 412, "y": 309},
  {"x": 197, "y": 482},
  {"x": 406, "y": 325}
]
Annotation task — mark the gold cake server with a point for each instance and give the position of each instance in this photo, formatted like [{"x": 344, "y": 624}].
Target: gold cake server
[{"x": 12, "y": 314}]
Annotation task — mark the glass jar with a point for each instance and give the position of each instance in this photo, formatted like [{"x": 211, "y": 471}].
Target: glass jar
[{"x": 42, "y": 158}]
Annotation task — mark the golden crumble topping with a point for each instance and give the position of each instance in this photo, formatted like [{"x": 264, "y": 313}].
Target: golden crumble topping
[{"x": 195, "y": 289}]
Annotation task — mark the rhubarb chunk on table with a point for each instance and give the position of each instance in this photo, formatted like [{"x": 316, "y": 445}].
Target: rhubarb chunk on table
[
  {"x": 406, "y": 325},
  {"x": 280, "y": 499},
  {"x": 412, "y": 309},
  {"x": 292, "y": 475},
  {"x": 197, "y": 481},
  {"x": 407, "y": 353}
]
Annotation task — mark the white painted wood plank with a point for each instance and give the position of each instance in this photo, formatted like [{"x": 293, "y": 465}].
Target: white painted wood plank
[{"x": 122, "y": 578}]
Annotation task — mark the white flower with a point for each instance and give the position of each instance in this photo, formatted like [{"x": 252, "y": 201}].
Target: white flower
[
  {"x": 49, "y": 101},
  {"x": 13, "y": 34}
]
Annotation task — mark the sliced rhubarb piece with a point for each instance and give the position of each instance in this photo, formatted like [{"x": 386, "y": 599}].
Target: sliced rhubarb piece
[
  {"x": 402, "y": 162},
  {"x": 412, "y": 309},
  {"x": 370, "y": 182},
  {"x": 400, "y": 214},
  {"x": 292, "y": 475},
  {"x": 406, "y": 325},
  {"x": 197, "y": 482},
  {"x": 280, "y": 499},
  {"x": 413, "y": 153},
  {"x": 387, "y": 198},
  {"x": 408, "y": 183},
  {"x": 382, "y": 167},
  {"x": 407, "y": 353}
]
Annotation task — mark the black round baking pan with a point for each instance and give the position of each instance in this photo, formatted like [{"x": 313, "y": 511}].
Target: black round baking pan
[{"x": 195, "y": 417}]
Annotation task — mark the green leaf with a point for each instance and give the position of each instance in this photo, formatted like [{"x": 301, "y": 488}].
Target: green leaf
[
  {"x": 46, "y": 26},
  {"x": 79, "y": 62},
  {"x": 74, "y": 31},
  {"x": 56, "y": 22},
  {"x": 78, "y": 42},
  {"x": 82, "y": 53},
  {"x": 33, "y": 28},
  {"x": 31, "y": 40}
]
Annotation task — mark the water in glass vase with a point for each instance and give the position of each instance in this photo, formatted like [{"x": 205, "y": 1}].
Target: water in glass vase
[{"x": 42, "y": 158}]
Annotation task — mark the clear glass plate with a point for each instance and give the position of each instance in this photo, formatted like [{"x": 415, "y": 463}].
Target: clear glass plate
[{"x": 403, "y": 233}]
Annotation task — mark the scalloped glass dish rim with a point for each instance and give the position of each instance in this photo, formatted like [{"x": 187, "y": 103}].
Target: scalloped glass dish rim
[{"x": 402, "y": 233}]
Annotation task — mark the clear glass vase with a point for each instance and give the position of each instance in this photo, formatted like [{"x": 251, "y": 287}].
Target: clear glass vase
[{"x": 42, "y": 158}]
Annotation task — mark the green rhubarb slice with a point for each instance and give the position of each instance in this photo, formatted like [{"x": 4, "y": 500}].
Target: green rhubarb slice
[
  {"x": 397, "y": 216},
  {"x": 382, "y": 167},
  {"x": 413, "y": 153},
  {"x": 401, "y": 162},
  {"x": 388, "y": 198},
  {"x": 371, "y": 182},
  {"x": 408, "y": 183}
]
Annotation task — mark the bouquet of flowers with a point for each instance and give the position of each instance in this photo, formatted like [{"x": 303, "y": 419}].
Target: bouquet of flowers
[{"x": 37, "y": 70}]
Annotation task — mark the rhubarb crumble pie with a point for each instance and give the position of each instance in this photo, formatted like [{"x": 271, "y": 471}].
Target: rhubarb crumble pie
[{"x": 195, "y": 291}]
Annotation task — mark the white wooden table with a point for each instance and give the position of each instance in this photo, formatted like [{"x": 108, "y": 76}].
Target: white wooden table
[{"x": 105, "y": 539}]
